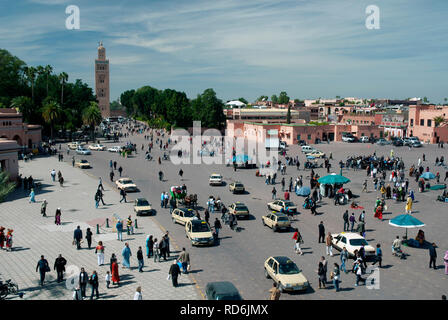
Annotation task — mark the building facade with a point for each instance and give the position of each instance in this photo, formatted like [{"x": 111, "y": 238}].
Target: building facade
[
  {"x": 423, "y": 124},
  {"x": 9, "y": 158},
  {"x": 102, "y": 85},
  {"x": 12, "y": 127}
]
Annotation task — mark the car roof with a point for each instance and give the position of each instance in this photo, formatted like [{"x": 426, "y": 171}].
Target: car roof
[
  {"x": 352, "y": 235},
  {"x": 221, "y": 287},
  {"x": 198, "y": 222},
  {"x": 282, "y": 259},
  {"x": 279, "y": 214},
  {"x": 141, "y": 199}
]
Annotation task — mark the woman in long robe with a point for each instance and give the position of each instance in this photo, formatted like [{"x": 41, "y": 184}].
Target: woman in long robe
[
  {"x": 409, "y": 205},
  {"x": 115, "y": 275},
  {"x": 126, "y": 253},
  {"x": 379, "y": 212}
]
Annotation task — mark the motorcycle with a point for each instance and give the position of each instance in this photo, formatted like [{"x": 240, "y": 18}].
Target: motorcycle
[{"x": 8, "y": 288}]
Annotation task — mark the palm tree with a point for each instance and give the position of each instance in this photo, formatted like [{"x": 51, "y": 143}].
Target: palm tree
[
  {"x": 31, "y": 77},
  {"x": 438, "y": 120},
  {"x": 6, "y": 186},
  {"x": 63, "y": 77},
  {"x": 51, "y": 112},
  {"x": 47, "y": 70},
  {"x": 24, "y": 105},
  {"x": 92, "y": 117}
]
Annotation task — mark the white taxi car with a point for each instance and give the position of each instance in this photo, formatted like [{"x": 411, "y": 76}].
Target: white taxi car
[
  {"x": 126, "y": 184},
  {"x": 285, "y": 274},
  {"x": 182, "y": 215},
  {"x": 199, "y": 232},
  {"x": 215, "y": 179},
  {"x": 352, "y": 241}
]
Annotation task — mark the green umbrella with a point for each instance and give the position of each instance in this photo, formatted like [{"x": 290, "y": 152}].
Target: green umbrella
[{"x": 333, "y": 179}]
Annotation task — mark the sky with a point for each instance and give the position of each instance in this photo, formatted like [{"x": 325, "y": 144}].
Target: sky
[{"x": 241, "y": 48}]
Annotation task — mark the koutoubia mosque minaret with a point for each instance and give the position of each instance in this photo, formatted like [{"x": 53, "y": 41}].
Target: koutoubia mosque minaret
[{"x": 102, "y": 87}]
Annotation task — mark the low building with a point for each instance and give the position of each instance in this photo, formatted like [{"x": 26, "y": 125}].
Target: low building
[
  {"x": 265, "y": 114},
  {"x": 9, "y": 158},
  {"x": 424, "y": 125},
  {"x": 12, "y": 127}
]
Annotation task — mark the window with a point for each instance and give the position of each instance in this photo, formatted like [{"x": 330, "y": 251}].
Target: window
[
  {"x": 429, "y": 122},
  {"x": 309, "y": 137},
  {"x": 422, "y": 122},
  {"x": 412, "y": 122}
]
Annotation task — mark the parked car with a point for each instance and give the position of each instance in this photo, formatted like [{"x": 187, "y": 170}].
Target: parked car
[
  {"x": 199, "y": 232},
  {"x": 364, "y": 139},
  {"x": 382, "y": 142},
  {"x": 276, "y": 221},
  {"x": 142, "y": 207},
  {"x": 83, "y": 151},
  {"x": 351, "y": 241},
  {"x": 286, "y": 274},
  {"x": 126, "y": 184},
  {"x": 397, "y": 142},
  {"x": 415, "y": 144},
  {"x": 74, "y": 145},
  {"x": 307, "y": 149},
  {"x": 316, "y": 154},
  {"x": 221, "y": 290},
  {"x": 114, "y": 149},
  {"x": 348, "y": 138},
  {"x": 278, "y": 205},
  {"x": 182, "y": 215}
]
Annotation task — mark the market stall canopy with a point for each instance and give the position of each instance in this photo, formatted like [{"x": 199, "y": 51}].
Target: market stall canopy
[
  {"x": 428, "y": 175},
  {"x": 406, "y": 221},
  {"x": 241, "y": 158},
  {"x": 333, "y": 179}
]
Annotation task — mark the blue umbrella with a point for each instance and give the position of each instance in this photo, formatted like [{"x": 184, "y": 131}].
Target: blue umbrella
[
  {"x": 333, "y": 179},
  {"x": 241, "y": 158},
  {"x": 303, "y": 191},
  {"x": 406, "y": 221},
  {"x": 428, "y": 175}
]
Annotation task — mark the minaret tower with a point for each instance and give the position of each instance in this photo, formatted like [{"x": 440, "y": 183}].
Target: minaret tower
[{"x": 102, "y": 88}]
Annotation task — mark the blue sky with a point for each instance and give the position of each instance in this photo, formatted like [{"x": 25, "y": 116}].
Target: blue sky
[{"x": 241, "y": 48}]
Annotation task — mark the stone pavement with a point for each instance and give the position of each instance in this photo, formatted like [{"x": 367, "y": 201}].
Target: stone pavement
[{"x": 35, "y": 235}]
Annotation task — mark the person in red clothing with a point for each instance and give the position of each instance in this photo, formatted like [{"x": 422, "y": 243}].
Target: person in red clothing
[
  {"x": 2, "y": 237},
  {"x": 9, "y": 240},
  {"x": 379, "y": 212},
  {"x": 286, "y": 195},
  {"x": 115, "y": 275}
]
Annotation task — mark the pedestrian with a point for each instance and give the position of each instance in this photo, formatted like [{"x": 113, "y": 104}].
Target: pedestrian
[
  {"x": 274, "y": 292},
  {"x": 89, "y": 235},
  {"x": 184, "y": 259},
  {"x": 53, "y": 175},
  {"x": 119, "y": 227},
  {"x": 181, "y": 173},
  {"x": 162, "y": 248},
  {"x": 149, "y": 246},
  {"x": 358, "y": 272},
  {"x": 99, "y": 250},
  {"x": 321, "y": 232},
  {"x": 445, "y": 259},
  {"x": 140, "y": 259},
  {"x": 59, "y": 266},
  {"x": 32, "y": 196},
  {"x": 95, "y": 284},
  {"x": 42, "y": 267},
  {"x": 126, "y": 254},
  {"x": 123, "y": 195},
  {"x": 114, "y": 270},
  {"x": 83, "y": 279},
  {"x": 110, "y": 164},
  {"x": 130, "y": 228},
  {"x": 107, "y": 278},
  {"x": 409, "y": 205},
  {"x": 344, "y": 258},
  {"x": 73, "y": 161},
  {"x": 138, "y": 294},
  {"x": 378, "y": 255},
  {"x": 432, "y": 256},
  {"x": 274, "y": 193},
  {"x": 298, "y": 241},
  {"x": 43, "y": 208},
  {"x": 111, "y": 174},
  {"x": 9, "y": 240},
  {"x": 207, "y": 216},
  {"x": 77, "y": 237},
  {"x": 174, "y": 272},
  {"x": 162, "y": 199},
  {"x": 57, "y": 217},
  {"x": 115, "y": 165},
  {"x": 77, "y": 293},
  {"x": 120, "y": 170},
  {"x": 335, "y": 276},
  {"x": 352, "y": 221},
  {"x": 321, "y": 274},
  {"x": 156, "y": 251},
  {"x": 100, "y": 184},
  {"x": 217, "y": 226},
  {"x": 345, "y": 217},
  {"x": 328, "y": 242}
]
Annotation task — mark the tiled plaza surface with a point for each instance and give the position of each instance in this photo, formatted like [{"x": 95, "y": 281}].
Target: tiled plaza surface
[{"x": 35, "y": 235}]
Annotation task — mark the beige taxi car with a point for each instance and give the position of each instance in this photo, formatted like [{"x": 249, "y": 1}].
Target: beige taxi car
[
  {"x": 236, "y": 187},
  {"x": 199, "y": 232},
  {"x": 182, "y": 215},
  {"x": 142, "y": 207},
  {"x": 126, "y": 184},
  {"x": 239, "y": 209},
  {"x": 276, "y": 221},
  {"x": 285, "y": 274},
  {"x": 82, "y": 164},
  {"x": 281, "y": 205}
]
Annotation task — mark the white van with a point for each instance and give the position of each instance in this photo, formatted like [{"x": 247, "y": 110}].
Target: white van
[{"x": 307, "y": 149}]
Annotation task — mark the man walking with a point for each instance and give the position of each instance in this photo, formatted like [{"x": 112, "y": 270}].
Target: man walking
[
  {"x": 77, "y": 236},
  {"x": 274, "y": 193},
  {"x": 184, "y": 258},
  {"x": 217, "y": 227},
  {"x": 83, "y": 277},
  {"x": 123, "y": 195},
  {"x": 344, "y": 257},
  {"x": 119, "y": 227},
  {"x": 378, "y": 255},
  {"x": 432, "y": 256},
  {"x": 94, "y": 283},
  {"x": 59, "y": 266},
  {"x": 345, "y": 217},
  {"x": 120, "y": 170},
  {"x": 321, "y": 232},
  {"x": 43, "y": 267},
  {"x": 174, "y": 272},
  {"x": 352, "y": 221},
  {"x": 112, "y": 176},
  {"x": 140, "y": 259},
  {"x": 328, "y": 242}
]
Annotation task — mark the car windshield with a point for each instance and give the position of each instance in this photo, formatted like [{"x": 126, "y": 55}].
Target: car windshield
[
  {"x": 215, "y": 177},
  {"x": 282, "y": 219},
  {"x": 289, "y": 204},
  {"x": 238, "y": 185},
  {"x": 240, "y": 208},
  {"x": 201, "y": 227},
  {"x": 128, "y": 181},
  {"x": 358, "y": 242},
  {"x": 83, "y": 161},
  {"x": 141, "y": 202},
  {"x": 188, "y": 213},
  {"x": 288, "y": 268}
]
